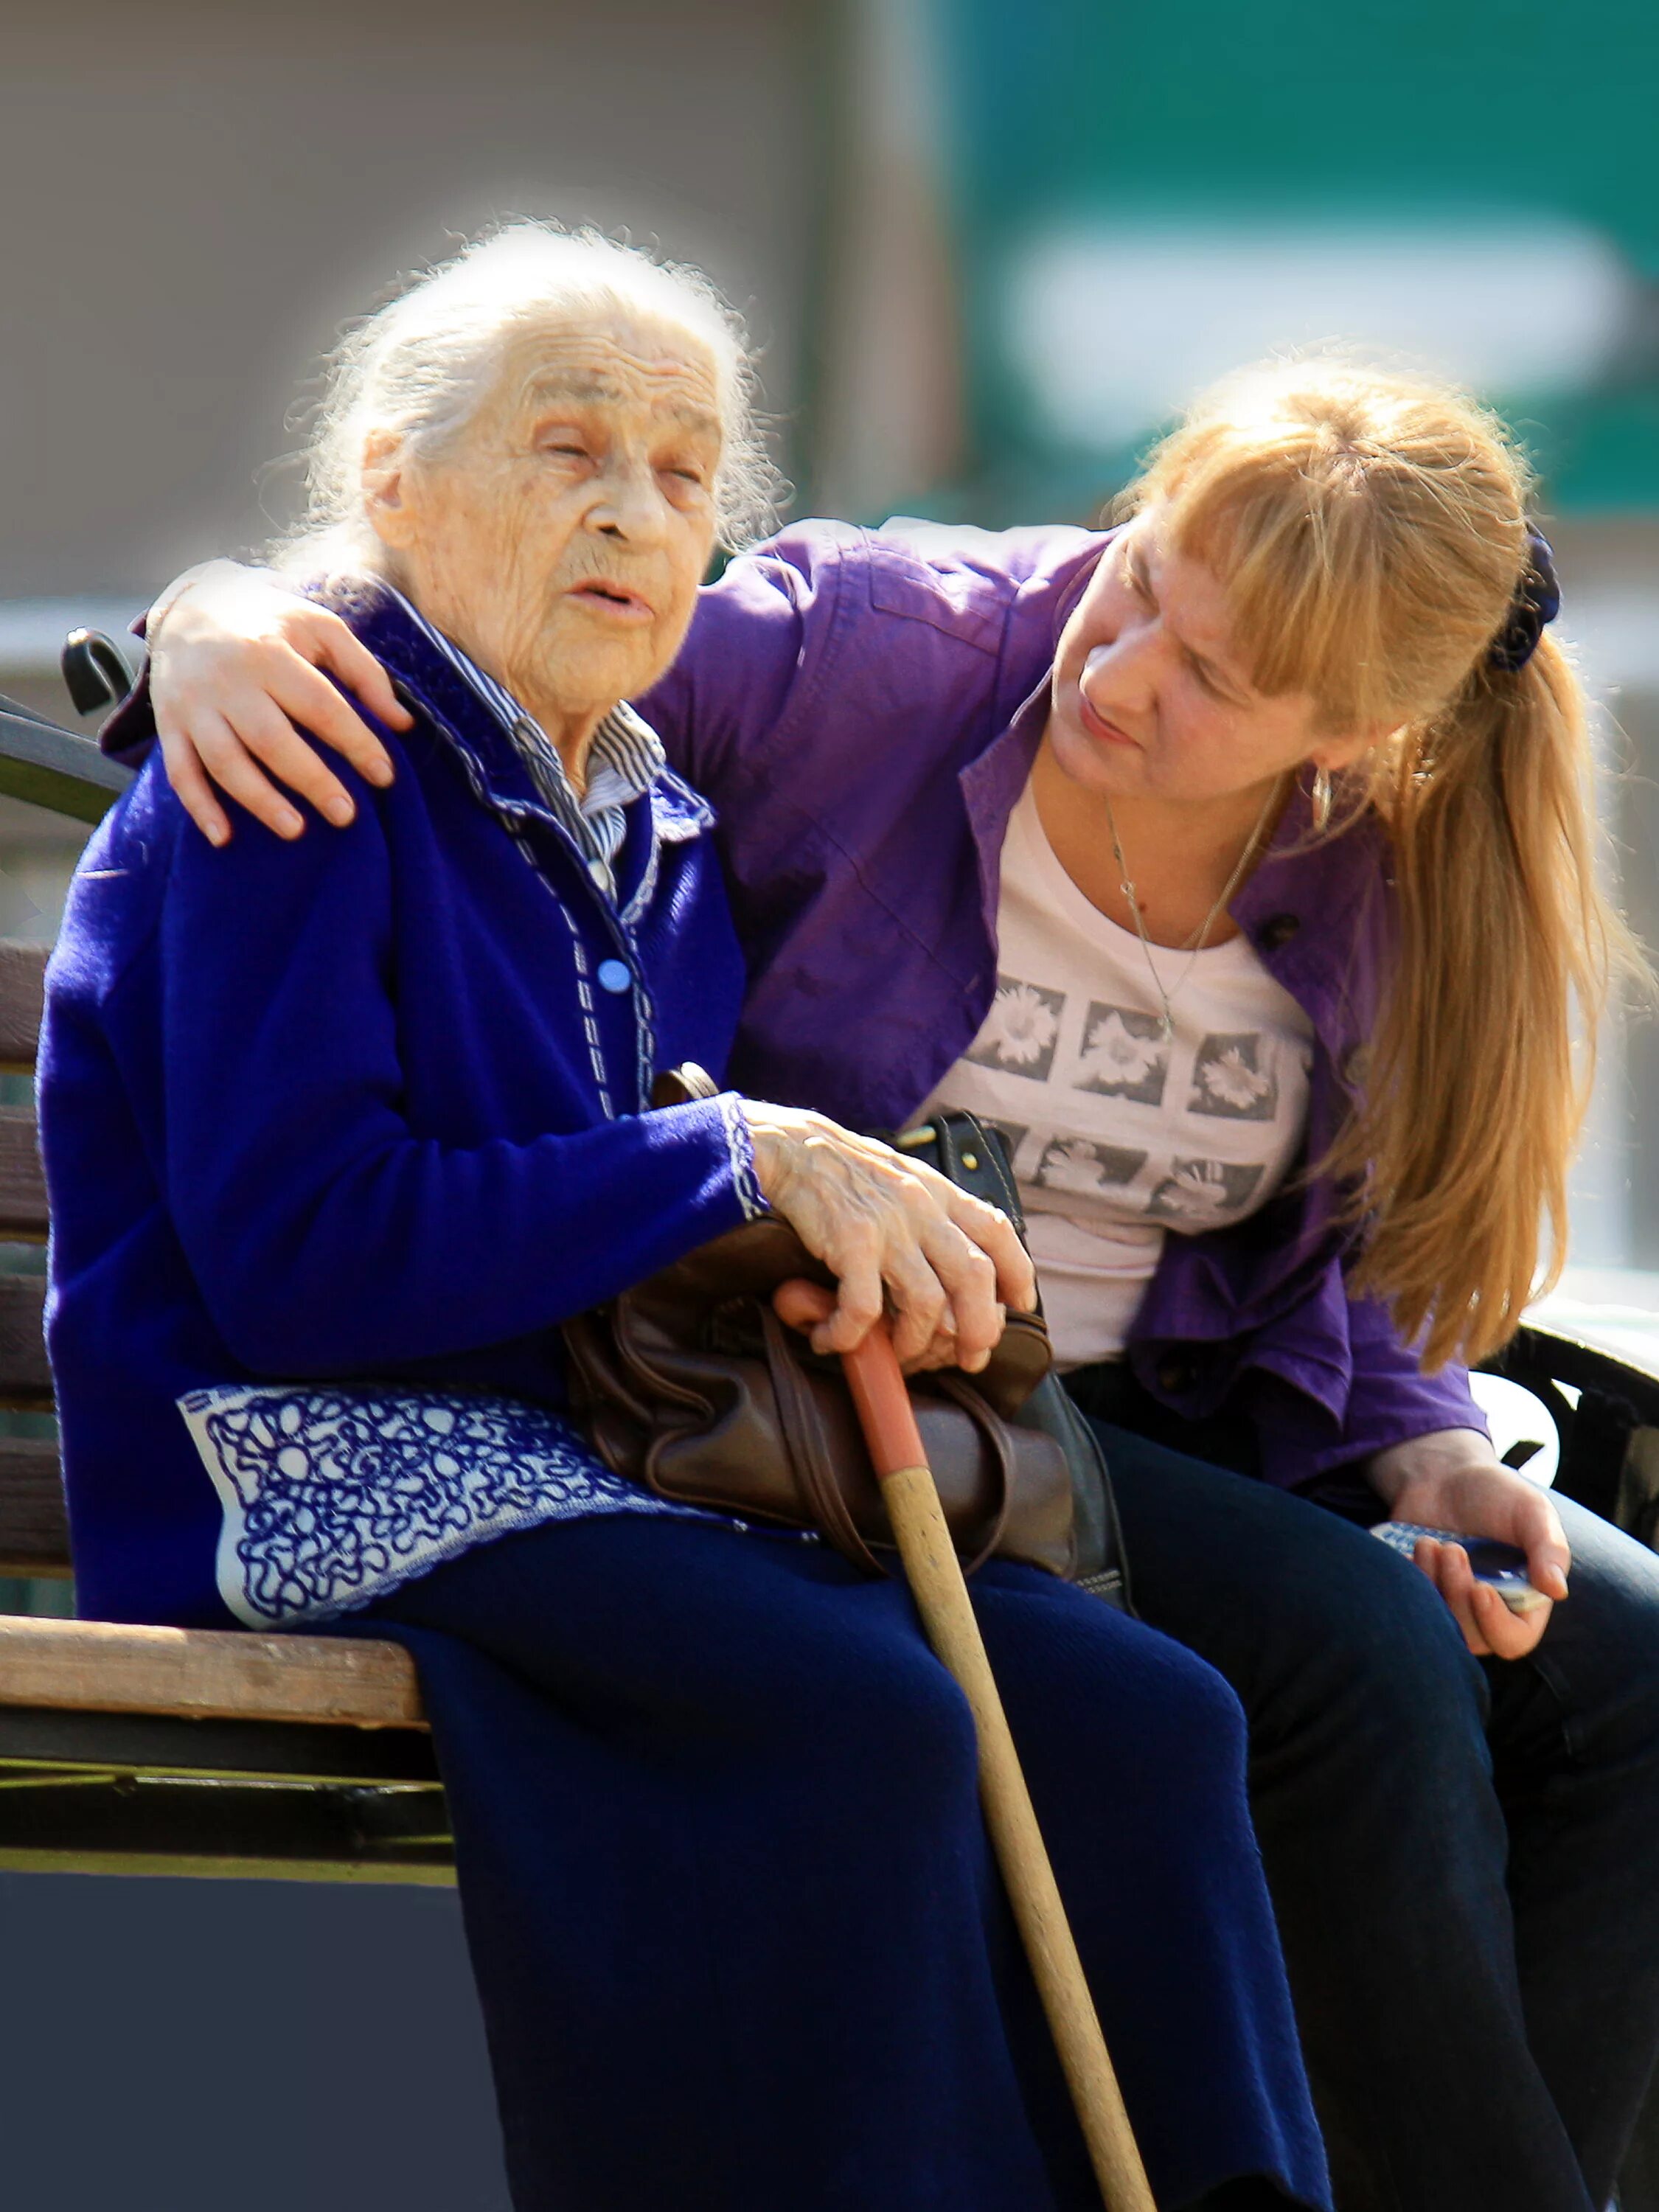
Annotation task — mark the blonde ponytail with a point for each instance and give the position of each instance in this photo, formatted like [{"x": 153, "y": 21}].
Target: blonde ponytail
[
  {"x": 1474, "y": 1095},
  {"x": 1372, "y": 531}
]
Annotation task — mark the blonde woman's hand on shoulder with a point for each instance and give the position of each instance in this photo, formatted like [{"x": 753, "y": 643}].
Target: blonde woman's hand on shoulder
[
  {"x": 238, "y": 668},
  {"x": 893, "y": 1233},
  {"x": 1453, "y": 1479}
]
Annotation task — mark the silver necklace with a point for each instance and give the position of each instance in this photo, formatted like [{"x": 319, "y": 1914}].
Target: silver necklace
[{"x": 1194, "y": 944}]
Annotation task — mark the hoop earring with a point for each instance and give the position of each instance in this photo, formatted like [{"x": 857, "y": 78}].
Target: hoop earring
[{"x": 1321, "y": 797}]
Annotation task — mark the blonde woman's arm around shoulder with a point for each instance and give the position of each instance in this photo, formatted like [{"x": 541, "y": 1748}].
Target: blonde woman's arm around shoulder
[{"x": 239, "y": 666}]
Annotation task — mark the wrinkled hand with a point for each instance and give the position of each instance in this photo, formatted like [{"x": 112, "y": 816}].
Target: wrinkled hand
[
  {"x": 1455, "y": 1480},
  {"x": 235, "y": 674},
  {"x": 892, "y": 1230}
]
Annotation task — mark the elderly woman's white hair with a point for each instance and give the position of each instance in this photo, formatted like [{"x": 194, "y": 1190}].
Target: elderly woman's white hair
[{"x": 420, "y": 366}]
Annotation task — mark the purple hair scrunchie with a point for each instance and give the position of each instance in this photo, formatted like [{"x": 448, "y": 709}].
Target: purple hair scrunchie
[{"x": 1536, "y": 604}]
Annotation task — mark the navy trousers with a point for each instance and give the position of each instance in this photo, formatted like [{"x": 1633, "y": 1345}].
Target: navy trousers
[
  {"x": 1461, "y": 1853},
  {"x": 738, "y": 1936}
]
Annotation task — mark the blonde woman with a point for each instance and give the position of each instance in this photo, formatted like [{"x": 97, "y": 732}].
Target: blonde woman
[{"x": 1238, "y": 863}]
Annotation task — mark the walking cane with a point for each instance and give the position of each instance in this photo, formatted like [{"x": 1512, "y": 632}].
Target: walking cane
[{"x": 947, "y": 1615}]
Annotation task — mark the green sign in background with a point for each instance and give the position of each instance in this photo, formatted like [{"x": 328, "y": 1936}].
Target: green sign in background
[{"x": 1314, "y": 110}]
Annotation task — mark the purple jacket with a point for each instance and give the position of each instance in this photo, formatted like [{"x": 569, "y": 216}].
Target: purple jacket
[{"x": 863, "y": 710}]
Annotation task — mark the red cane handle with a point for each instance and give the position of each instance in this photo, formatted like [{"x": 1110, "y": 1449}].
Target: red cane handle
[
  {"x": 888, "y": 1418},
  {"x": 885, "y": 1413}
]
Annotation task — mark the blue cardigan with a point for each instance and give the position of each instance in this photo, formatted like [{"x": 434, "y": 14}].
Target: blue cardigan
[{"x": 366, "y": 1106}]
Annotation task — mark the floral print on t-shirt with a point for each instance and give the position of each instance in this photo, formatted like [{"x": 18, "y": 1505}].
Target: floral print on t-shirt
[
  {"x": 1119, "y": 1053},
  {"x": 1233, "y": 1078},
  {"x": 1125, "y": 1054},
  {"x": 1199, "y": 1192},
  {"x": 1021, "y": 1030},
  {"x": 1075, "y": 1163}
]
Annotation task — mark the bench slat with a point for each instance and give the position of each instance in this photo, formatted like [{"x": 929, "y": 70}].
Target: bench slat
[
  {"x": 25, "y": 1374},
  {"x": 118, "y": 1824},
  {"x": 33, "y": 1527},
  {"x": 22, "y": 992},
  {"x": 22, "y": 1179},
  {"x": 97, "y": 1667},
  {"x": 48, "y": 1740}
]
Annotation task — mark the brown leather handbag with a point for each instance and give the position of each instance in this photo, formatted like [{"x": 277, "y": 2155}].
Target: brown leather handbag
[{"x": 690, "y": 1385}]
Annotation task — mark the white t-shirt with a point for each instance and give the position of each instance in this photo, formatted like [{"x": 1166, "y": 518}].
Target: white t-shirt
[{"x": 1116, "y": 1135}]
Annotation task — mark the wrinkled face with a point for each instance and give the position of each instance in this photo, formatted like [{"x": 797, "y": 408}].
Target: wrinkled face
[
  {"x": 1150, "y": 696},
  {"x": 562, "y": 540}
]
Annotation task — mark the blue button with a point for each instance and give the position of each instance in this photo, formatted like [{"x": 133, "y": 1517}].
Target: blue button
[{"x": 615, "y": 975}]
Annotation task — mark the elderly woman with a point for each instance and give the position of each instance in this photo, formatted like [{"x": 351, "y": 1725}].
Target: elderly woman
[{"x": 338, "y": 1132}]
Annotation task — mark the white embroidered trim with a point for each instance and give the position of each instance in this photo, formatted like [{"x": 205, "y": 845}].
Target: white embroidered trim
[
  {"x": 740, "y": 1145},
  {"x": 584, "y": 985},
  {"x": 333, "y": 1498}
]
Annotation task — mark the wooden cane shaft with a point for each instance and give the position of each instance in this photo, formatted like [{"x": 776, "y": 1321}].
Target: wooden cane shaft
[{"x": 947, "y": 1615}]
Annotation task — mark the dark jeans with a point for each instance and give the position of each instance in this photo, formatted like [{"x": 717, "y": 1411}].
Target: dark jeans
[{"x": 1463, "y": 1854}]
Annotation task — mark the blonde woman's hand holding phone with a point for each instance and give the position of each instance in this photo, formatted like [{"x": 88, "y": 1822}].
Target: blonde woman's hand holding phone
[{"x": 1455, "y": 1480}]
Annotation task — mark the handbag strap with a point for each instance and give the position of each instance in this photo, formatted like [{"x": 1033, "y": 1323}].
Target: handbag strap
[
  {"x": 808, "y": 1448},
  {"x": 996, "y": 1436},
  {"x": 971, "y": 1154}
]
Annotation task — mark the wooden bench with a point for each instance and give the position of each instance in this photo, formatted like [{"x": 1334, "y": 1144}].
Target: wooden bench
[{"x": 160, "y": 1750}]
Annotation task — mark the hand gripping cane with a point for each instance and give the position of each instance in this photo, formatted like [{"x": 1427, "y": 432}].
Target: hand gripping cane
[{"x": 947, "y": 1615}]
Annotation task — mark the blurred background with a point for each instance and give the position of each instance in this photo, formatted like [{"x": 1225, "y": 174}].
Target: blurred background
[{"x": 987, "y": 249}]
